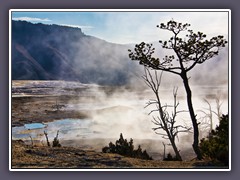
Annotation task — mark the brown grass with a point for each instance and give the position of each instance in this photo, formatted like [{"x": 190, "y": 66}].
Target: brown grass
[{"x": 25, "y": 156}]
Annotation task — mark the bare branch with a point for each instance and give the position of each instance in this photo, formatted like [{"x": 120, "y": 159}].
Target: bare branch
[{"x": 156, "y": 110}]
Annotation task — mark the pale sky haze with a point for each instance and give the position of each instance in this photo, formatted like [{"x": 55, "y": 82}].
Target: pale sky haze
[{"x": 126, "y": 27}]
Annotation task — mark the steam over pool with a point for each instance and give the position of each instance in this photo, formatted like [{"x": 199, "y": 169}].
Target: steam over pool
[{"x": 113, "y": 111}]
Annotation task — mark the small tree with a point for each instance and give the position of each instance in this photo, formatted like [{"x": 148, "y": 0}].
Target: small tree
[{"x": 188, "y": 52}]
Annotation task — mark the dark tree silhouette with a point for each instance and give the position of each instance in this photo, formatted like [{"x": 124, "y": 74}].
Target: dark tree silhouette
[{"x": 188, "y": 52}]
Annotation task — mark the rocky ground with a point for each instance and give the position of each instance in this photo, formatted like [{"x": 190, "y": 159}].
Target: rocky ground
[{"x": 41, "y": 109}]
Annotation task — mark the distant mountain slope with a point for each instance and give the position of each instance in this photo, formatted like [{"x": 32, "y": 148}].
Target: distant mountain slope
[{"x": 52, "y": 52}]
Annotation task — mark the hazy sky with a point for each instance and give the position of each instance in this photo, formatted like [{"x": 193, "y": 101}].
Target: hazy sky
[{"x": 130, "y": 27}]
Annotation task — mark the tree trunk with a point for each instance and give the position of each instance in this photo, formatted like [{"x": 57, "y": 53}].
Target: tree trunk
[
  {"x": 195, "y": 144},
  {"x": 178, "y": 156}
]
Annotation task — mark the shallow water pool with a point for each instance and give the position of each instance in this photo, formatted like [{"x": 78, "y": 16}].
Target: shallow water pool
[
  {"x": 34, "y": 126},
  {"x": 68, "y": 129}
]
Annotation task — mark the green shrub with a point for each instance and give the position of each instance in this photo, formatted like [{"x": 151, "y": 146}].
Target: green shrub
[
  {"x": 216, "y": 145},
  {"x": 125, "y": 148}
]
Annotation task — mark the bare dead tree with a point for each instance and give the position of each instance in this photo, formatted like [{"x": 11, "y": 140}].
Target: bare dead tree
[
  {"x": 166, "y": 123},
  {"x": 204, "y": 126},
  {"x": 218, "y": 104},
  {"x": 209, "y": 112},
  {"x": 31, "y": 140},
  {"x": 46, "y": 135}
]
